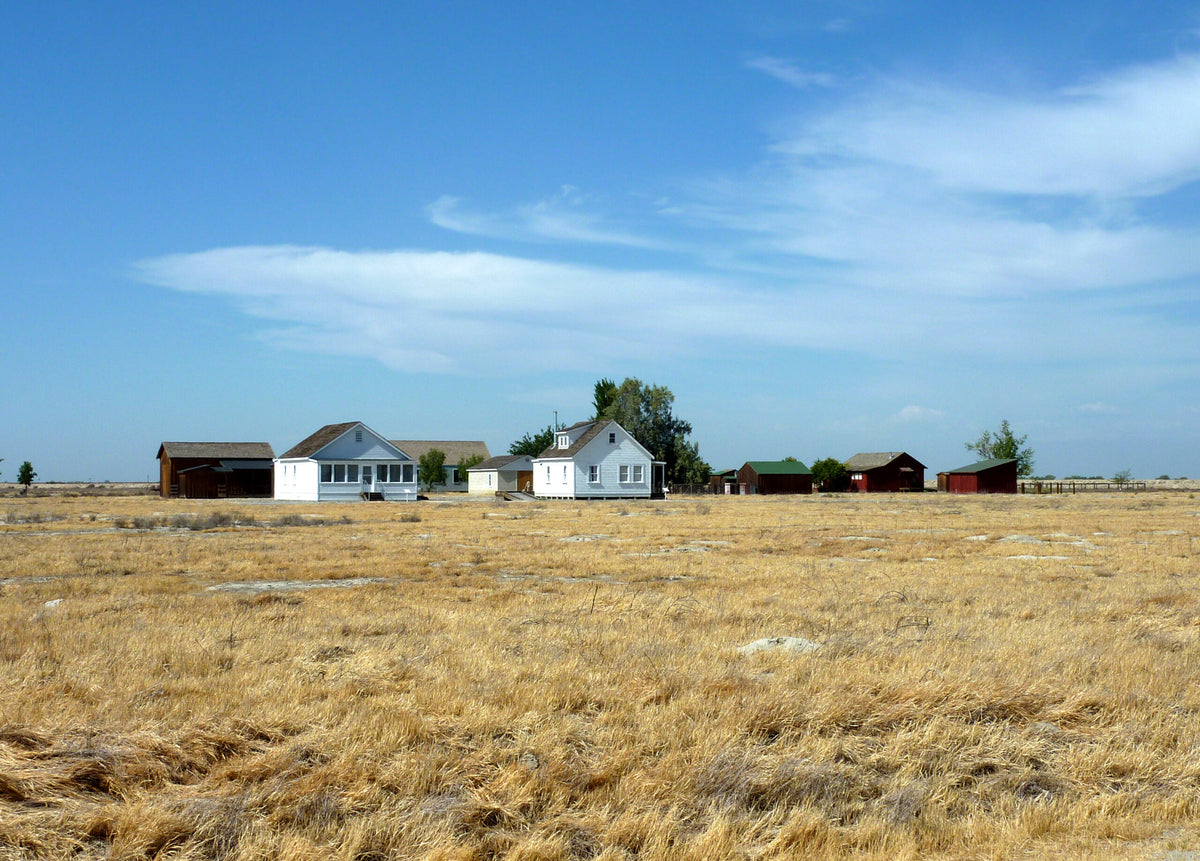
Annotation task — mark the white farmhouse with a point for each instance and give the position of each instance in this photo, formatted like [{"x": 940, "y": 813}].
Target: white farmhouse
[
  {"x": 347, "y": 461},
  {"x": 596, "y": 460},
  {"x": 505, "y": 472}
]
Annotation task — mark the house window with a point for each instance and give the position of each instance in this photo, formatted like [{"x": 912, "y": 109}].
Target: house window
[
  {"x": 352, "y": 472},
  {"x": 612, "y": 437},
  {"x": 564, "y": 473},
  {"x": 339, "y": 472},
  {"x": 594, "y": 473},
  {"x": 407, "y": 473},
  {"x": 547, "y": 475},
  {"x": 637, "y": 474},
  {"x": 624, "y": 476},
  {"x": 489, "y": 479},
  {"x": 856, "y": 476},
  {"x": 327, "y": 472},
  {"x": 563, "y": 440},
  {"x": 454, "y": 479}
]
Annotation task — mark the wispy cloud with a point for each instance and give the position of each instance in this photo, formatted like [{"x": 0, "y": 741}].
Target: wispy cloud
[
  {"x": 913, "y": 220},
  {"x": 568, "y": 216},
  {"x": 791, "y": 74},
  {"x": 913, "y": 413}
]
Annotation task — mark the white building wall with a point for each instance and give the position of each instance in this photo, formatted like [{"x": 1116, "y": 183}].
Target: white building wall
[{"x": 296, "y": 480}]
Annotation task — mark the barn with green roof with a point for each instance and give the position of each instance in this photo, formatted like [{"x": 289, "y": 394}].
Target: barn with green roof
[{"x": 775, "y": 476}]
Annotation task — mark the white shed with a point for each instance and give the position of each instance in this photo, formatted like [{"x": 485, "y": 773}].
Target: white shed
[
  {"x": 596, "y": 460},
  {"x": 506, "y": 472},
  {"x": 347, "y": 461}
]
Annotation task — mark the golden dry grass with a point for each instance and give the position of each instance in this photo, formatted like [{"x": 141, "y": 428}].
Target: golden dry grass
[{"x": 999, "y": 678}]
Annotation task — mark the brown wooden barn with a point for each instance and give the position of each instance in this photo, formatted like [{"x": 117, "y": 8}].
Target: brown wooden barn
[
  {"x": 215, "y": 470},
  {"x": 885, "y": 472},
  {"x": 998, "y": 475},
  {"x": 775, "y": 476}
]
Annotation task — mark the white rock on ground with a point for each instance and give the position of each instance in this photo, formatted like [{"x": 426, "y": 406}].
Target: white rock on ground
[{"x": 770, "y": 644}]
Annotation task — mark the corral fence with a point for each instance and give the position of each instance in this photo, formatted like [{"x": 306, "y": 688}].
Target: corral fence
[{"x": 1079, "y": 486}]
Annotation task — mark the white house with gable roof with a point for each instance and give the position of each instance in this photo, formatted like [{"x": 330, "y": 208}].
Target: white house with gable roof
[
  {"x": 596, "y": 460},
  {"x": 347, "y": 461}
]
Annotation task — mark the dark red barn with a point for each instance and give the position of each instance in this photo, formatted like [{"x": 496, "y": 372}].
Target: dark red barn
[
  {"x": 211, "y": 470},
  {"x": 885, "y": 472},
  {"x": 998, "y": 475}
]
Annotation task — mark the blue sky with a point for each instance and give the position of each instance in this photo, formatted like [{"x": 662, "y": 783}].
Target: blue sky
[{"x": 828, "y": 227}]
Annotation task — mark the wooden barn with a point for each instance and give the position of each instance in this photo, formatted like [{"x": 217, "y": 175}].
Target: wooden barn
[
  {"x": 215, "y": 470},
  {"x": 885, "y": 472},
  {"x": 998, "y": 475},
  {"x": 775, "y": 476}
]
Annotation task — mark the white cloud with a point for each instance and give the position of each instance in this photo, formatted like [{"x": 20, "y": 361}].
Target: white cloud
[
  {"x": 915, "y": 413},
  {"x": 790, "y": 73},
  {"x": 1133, "y": 133},
  {"x": 563, "y": 217}
]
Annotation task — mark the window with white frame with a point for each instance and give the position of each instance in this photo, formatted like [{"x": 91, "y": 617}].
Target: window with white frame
[
  {"x": 564, "y": 473},
  {"x": 564, "y": 441},
  {"x": 624, "y": 473},
  {"x": 594, "y": 473},
  {"x": 638, "y": 473},
  {"x": 547, "y": 475},
  {"x": 407, "y": 473},
  {"x": 612, "y": 437}
]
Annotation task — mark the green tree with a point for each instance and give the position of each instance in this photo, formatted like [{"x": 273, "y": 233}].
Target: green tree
[
  {"x": 1004, "y": 444},
  {"x": 690, "y": 468},
  {"x": 603, "y": 395},
  {"x": 466, "y": 463},
  {"x": 830, "y": 474},
  {"x": 432, "y": 468},
  {"x": 533, "y": 444},
  {"x": 645, "y": 411},
  {"x": 1123, "y": 477},
  {"x": 26, "y": 475}
]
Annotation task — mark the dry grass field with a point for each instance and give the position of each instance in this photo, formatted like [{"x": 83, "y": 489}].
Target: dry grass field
[{"x": 996, "y": 678}]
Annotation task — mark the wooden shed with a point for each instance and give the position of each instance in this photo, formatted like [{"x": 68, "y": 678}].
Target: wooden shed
[
  {"x": 775, "y": 476},
  {"x": 215, "y": 470},
  {"x": 998, "y": 475},
  {"x": 885, "y": 472}
]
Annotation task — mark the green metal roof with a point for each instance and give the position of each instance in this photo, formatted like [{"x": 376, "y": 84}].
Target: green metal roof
[
  {"x": 778, "y": 467},
  {"x": 982, "y": 465}
]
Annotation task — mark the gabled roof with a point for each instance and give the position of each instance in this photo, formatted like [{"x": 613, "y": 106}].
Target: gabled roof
[
  {"x": 982, "y": 466},
  {"x": 456, "y": 450},
  {"x": 309, "y": 446},
  {"x": 597, "y": 427},
  {"x": 498, "y": 462},
  {"x": 864, "y": 461},
  {"x": 778, "y": 467},
  {"x": 217, "y": 450}
]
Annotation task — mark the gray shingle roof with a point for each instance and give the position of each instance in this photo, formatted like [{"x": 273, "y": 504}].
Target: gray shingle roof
[
  {"x": 500, "y": 461},
  {"x": 317, "y": 441},
  {"x": 587, "y": 436},
  {"x": 873, "y": 460},
  {"x": 217, "y": 450},
  {"x": 456, "y": 450}
]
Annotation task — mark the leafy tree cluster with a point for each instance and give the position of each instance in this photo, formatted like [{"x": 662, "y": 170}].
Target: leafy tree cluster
[
  {"x": 431, "y": 468},
  {"x": 535, "y": 443},
  {"x": 830, "y": 474},
  {"x": 646, "y": 412},
  {"x": 1004, "y": 444}
]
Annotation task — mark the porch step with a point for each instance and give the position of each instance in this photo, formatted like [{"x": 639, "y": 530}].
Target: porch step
[{"x": 372, "y": 496}]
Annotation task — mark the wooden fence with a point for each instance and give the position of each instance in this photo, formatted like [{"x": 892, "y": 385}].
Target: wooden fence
[{"x": 1079, "y": 486}]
